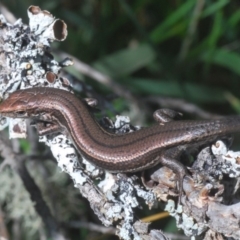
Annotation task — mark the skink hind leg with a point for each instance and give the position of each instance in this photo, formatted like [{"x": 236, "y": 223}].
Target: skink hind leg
[
  {"x": 166, "y": 115},
  {"x": 169, "y": 158},
  {"x": 92, "y": 102}
]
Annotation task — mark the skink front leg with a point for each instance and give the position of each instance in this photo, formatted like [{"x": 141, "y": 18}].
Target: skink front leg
[{"x": 45, "y": 128}]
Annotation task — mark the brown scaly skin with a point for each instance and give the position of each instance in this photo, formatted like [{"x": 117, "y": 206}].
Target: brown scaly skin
[{"x": 56, "y": 110}]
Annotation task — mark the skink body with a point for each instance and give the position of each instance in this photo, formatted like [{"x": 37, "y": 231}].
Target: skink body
[{"x": 130, "y": 152}]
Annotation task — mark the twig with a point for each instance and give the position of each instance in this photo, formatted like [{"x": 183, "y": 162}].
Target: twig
[
  {"x": 111, "y": 230},
  {"x": 181, "y": 105},
  {"x": 176, "y": 236},
  {"x": 3, "y": 165},
  {"x": 97, "y": 76},
  {"x": 232, "y": 46},
  {"x": 8, "y": 15},
  {"x": 116, "y": 197},
  {"x": 16, "y": 162},
  {"x": 105, "y": 80},
  {"x": 92, "y": 227},
  {"x": 4, "y": 235}
]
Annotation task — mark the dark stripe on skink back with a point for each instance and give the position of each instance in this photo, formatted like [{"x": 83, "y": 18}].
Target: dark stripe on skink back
[{"x": 121, "y": 153}]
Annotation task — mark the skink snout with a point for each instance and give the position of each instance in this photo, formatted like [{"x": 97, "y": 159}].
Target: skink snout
[{"x": 14, "y": 106}]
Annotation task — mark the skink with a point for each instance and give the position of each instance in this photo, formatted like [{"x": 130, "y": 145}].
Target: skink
[{"x": 56, "y": 110}]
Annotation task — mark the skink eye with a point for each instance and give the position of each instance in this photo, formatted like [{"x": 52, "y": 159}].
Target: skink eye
[{"x": 21, "y": 113}]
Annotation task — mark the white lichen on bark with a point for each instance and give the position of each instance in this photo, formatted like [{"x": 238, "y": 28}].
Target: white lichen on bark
[
  {"x": 26, "y": 61},
  {"x": 29, "y": 63}
]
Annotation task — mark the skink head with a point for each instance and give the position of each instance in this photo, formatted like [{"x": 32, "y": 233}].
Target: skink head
[{"x": 19, "y": 104}]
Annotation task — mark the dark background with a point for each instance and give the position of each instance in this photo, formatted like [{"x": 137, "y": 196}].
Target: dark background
[
  {"x": 188, "y": 50},
  {"x": 185, "y": 49}
]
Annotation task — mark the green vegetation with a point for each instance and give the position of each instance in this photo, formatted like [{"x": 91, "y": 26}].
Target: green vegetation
[{"x": 182, "y": 49}]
